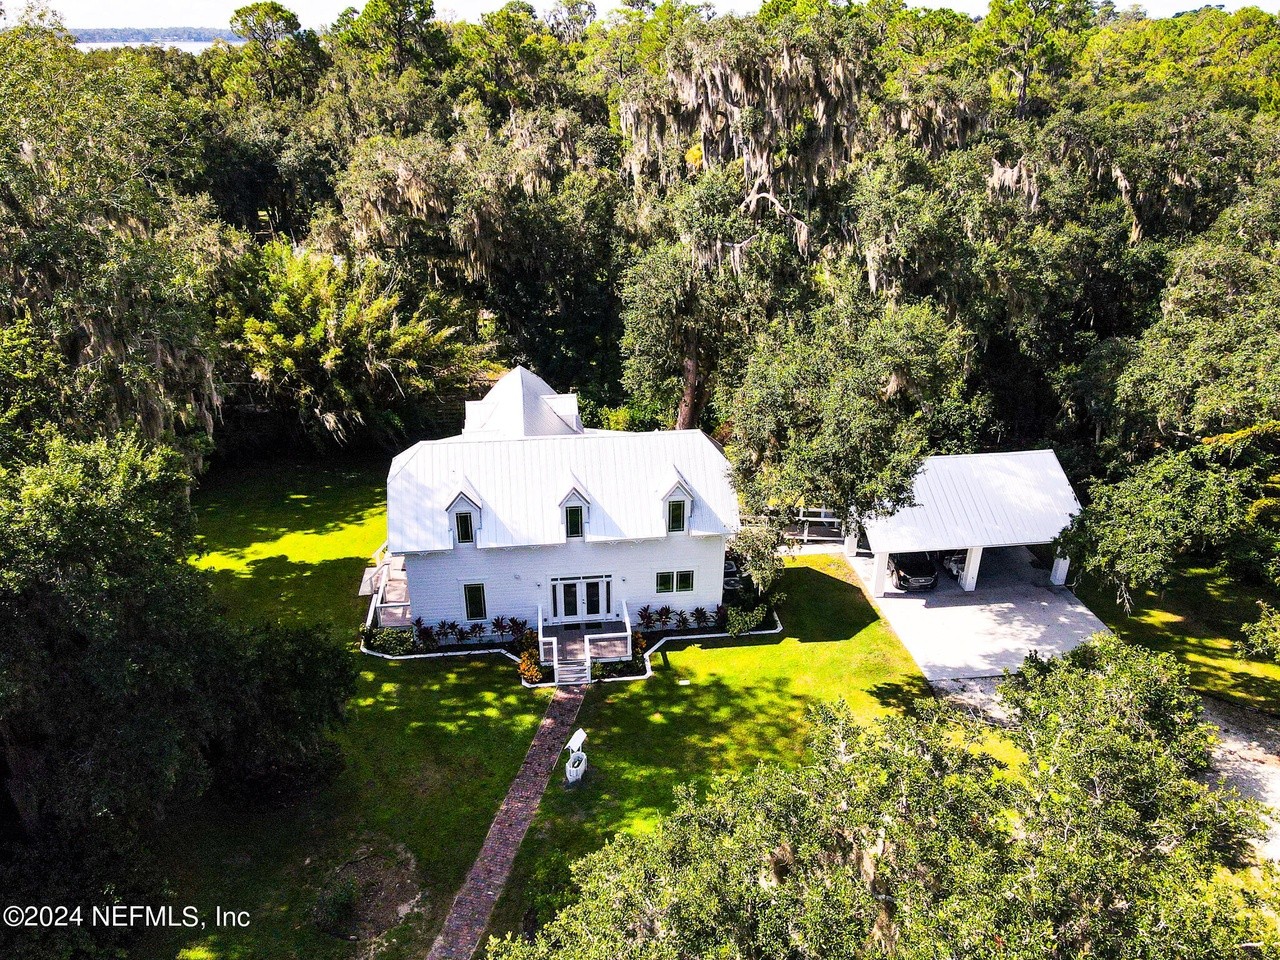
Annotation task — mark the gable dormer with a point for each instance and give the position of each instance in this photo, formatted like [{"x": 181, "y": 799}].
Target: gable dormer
[
  {"x": 575, "y": 510},
  {"x": 677, "y": 504},
  {"x": 465, "y": 516}
]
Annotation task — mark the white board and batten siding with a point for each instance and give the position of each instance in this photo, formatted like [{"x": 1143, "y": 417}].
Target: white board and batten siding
[{"x": 518, "y": 579}]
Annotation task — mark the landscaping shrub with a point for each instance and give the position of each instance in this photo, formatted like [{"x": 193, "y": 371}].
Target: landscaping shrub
[
  {"x": 524, "y": 642},
  {"x": 645, "y": 615},
  {"x": 1262, "y": 639},
  {"x": 739, "y": 622},
  {"x": 530, "y": 668},
  {"x": 392, "y": 642},
  {"x": 425, "y": 637}
]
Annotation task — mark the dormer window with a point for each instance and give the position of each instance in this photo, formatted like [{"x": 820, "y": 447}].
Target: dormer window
[
  {"x": 675, "y": 516},
  {"x": 463, "y": 527},
  {"x": 573, "y": 521}
]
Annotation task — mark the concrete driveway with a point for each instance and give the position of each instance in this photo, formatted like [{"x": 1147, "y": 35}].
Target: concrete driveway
[{"x": 953, "y": 634}]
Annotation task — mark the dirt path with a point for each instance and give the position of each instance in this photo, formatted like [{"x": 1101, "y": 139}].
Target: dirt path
[
  {"x": 1247, "y": 756},
  {"x": 473, "y": 907}
]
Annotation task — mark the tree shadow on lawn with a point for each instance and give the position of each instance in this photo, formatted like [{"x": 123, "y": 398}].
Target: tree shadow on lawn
[
  {"x": 239, "y": 508},
  {"x": 1198, "y": 618},
  {"x": 647, "y": 738},
  {"x": 430, "y": 750},
  {"x": 900, "y": 695},
  {"x": 817, "y": 608},
  {"x": 289, "y": 591},
  {"x": 820, "y": 607}
]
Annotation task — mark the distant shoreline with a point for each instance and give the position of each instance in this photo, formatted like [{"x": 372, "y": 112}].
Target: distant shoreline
[{"x": 104, "y": 35}]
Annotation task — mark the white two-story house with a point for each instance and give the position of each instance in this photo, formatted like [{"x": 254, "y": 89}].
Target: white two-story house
[{"x": 528, "y": 514}]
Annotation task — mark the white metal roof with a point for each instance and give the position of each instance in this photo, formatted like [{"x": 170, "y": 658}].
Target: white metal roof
[
  {"x": 522, "y": 404},
  {"x": 980, "y": 500},
  {"x": 520, "y": 466}
]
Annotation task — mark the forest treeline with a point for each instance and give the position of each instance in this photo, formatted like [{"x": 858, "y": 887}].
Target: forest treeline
[{"x": 837, "y": 237}]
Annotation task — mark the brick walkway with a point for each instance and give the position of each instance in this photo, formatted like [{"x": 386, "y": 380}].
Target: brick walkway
[{"x": 469, "y": 916}]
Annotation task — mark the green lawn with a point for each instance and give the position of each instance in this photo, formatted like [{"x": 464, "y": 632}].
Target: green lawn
[
  {"x": 715, "y": 707},
  {"x": 432, "y": 745},
  {"x": 429, "y": 751},
  {"x": 288, "y": 542},
  {"x": 1197, "y": 618}
]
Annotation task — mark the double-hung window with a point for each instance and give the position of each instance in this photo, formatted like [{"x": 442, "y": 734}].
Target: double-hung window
[
  {"x": 677, "y": 581},
  {"x": 473, "y": 596}
]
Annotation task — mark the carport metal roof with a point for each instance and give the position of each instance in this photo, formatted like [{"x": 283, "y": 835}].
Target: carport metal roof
[{"x": 980, "y": 500}]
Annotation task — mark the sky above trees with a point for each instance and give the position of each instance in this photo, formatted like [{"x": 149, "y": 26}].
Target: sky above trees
[{"x": 316, "y": 13}]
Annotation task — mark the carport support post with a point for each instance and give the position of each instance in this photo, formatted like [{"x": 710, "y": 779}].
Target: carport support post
[
  {"x": 1058, "y": 576},
  {"x": 969, "y": 576},
  {"x": 881, "y": 561}
]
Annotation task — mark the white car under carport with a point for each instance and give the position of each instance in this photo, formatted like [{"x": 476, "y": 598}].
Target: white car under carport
[{"x": 976, "y": 502}]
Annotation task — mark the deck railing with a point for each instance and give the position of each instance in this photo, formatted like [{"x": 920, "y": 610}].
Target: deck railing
[
  {"x": 625, "y": 633},
  {"x": 830, "y": 528},
  {"x": 546, "y": 645},
  {"x": 382, "y": 565}
]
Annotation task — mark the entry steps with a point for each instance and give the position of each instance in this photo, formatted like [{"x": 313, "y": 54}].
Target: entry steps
[{"x": 572, "y": 672}]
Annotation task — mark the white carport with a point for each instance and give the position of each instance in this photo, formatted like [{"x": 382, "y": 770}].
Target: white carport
[{"x": 973, "y": 502}]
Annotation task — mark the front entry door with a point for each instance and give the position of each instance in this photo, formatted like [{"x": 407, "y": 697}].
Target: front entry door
[{"x": 581, "y": 598}]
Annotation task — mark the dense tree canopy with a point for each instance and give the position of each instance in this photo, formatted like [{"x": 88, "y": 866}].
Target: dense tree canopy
[
  {"x": 906, "y": 839},
  {"x": 839, "y": 237},
  {"x": 122, "y": 690}
]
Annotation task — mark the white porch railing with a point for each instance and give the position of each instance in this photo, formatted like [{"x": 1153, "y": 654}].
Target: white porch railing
[
  {"x": 625, "y": 633},
  {"x": 546, "y": 645},
  {"x": 819, "y": 517},
  {"x": 384, "y": 567}
]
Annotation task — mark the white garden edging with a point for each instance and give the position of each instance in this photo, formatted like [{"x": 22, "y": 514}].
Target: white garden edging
[
  {"x": 440, "y": 653},
  {"x": 648, "y": 664}
]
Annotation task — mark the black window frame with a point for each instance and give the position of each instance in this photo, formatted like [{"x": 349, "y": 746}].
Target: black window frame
[
  {"x": 684, "y": 516},
  {"x": 570, "y": 511},
  {"x": 471, "y": 526},
  {"x": 679, "y": 575},
  {"x": 671, "y": 580},
  {"x": 466, "y": 601}
]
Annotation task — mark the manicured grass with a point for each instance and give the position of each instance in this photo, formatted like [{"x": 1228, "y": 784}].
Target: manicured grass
[
  {"x": 289, "y": 542},
  {"x": 432, "y": 746},
  {"x": 1197, "y": 618},
  {"x": 429, "y": 750},
  {"x": 713, "y": 707}
]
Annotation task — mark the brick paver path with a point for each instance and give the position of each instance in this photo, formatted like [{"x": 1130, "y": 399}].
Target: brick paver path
[{"x": 469, "y": 916}]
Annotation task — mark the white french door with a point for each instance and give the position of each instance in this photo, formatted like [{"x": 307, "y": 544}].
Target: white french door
[{"x": 581, "y": 598}]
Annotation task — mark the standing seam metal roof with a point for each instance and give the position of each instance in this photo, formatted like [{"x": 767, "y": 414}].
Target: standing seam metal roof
[
  {"x": 522, "y": 483},
  {"x": 980, "y": 500}
]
